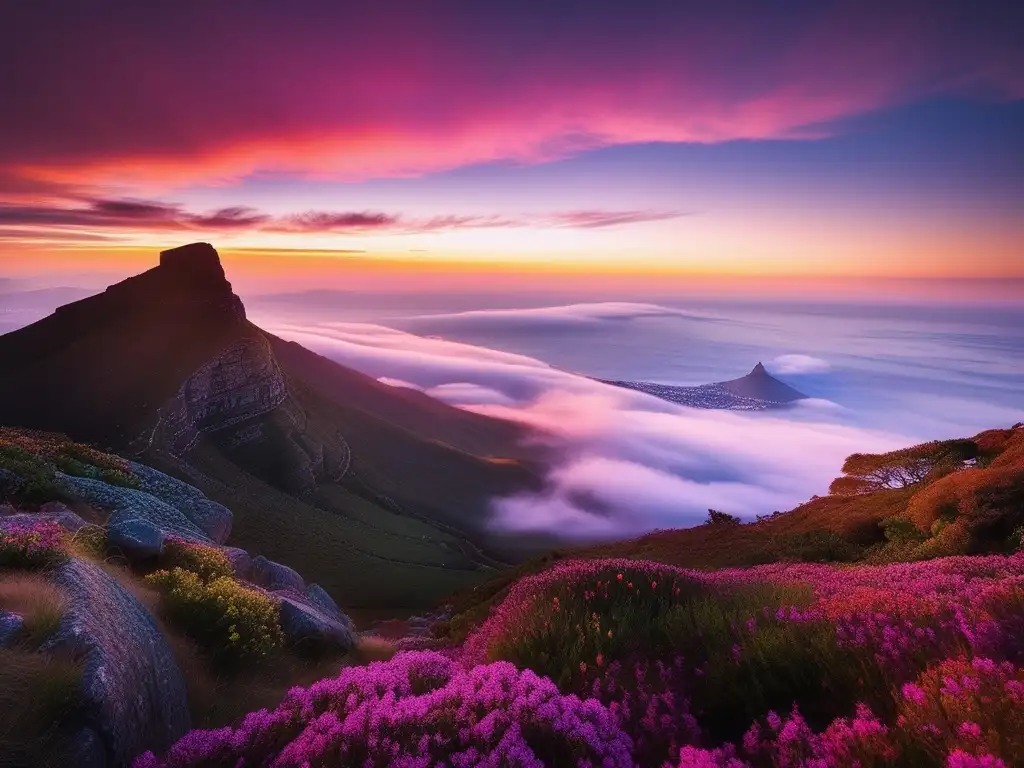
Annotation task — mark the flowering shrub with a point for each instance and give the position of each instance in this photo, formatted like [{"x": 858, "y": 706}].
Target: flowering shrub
[
  {"x": 36, "y": 456},
  {"x": 31, "y": 545},
  {"x": 974, "y": 706},
  {"x": 201, "y": 559},
  {"x": 236, "y": 623},
  {"x": 418, "y": 709},
  {"x": 685, "y": 658}
]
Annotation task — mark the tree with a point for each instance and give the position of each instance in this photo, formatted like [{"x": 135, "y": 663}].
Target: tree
[
  {"x": 867, "y": 472},
  {"x": 715, "y": 517}
]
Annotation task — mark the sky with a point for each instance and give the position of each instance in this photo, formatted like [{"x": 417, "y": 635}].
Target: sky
[{"x": 823, "y": 147}]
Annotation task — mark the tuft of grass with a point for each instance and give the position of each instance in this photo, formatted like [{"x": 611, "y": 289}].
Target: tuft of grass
[
  {"x": 38, "y": 602},
  {"x": 372, "y": 649},
  {"x": 38, "y": 693}
]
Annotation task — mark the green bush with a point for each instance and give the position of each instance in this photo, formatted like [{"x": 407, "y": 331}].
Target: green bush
[
  {"x": 821, "y": 546},
  {"x": 235, "y": 623},
  {"x": 206, "y": 562}
]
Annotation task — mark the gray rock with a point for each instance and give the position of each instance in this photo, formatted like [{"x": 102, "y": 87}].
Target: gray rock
[
  {"x": 211, "y": 518},
  {"x": 308, "y": 627},
  {"x": 274, "y": 576},
  {"x": 130, "y": 504},
  {"x": 318, "y": 598},
  {"x": 10, "y": 482},
  {"x": 60, "y": 513},
  {"x": 240, "y": 561},
  {"x": 136, "y": 539},
  {"x": 133, "y": 691},
  {"x": 11, "y": 625}
]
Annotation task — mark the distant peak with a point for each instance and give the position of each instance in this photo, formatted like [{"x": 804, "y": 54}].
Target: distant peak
[
  {"x": 759, "y": 368},
  {"x": 195, "y": 258}
]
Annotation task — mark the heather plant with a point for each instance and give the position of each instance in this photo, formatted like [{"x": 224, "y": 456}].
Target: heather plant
[
  {"x": 35, "y": 457},
  {"x": 32, "y": 545},
  {"x": 975, "y": 706},
  {"x": 201, "y": 559},
  {"x": 236, "y": 623},
  {"x": 419, "y": 709}
]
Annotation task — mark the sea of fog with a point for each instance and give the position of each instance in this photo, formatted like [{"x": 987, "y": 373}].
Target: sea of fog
[{"x": 880, "y": 376}]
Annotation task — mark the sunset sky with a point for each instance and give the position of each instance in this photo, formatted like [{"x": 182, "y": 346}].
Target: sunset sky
[{"x": 445, "y": 143}]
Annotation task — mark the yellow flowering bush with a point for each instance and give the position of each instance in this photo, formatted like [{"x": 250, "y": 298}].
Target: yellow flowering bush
[
  {"x": 235, "y": 623},
  {"x": 205, "y": 561}
]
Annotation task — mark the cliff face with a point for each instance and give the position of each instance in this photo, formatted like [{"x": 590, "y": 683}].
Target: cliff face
[{"x": 240, "y": 384}]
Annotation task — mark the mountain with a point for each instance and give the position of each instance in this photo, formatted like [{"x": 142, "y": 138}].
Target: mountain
[
  {"x": 380, "y": 494},
  {"x": 761, "y": 385},
  {"x": 756, "y": 391}
]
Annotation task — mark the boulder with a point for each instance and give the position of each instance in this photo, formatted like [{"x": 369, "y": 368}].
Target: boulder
[
  {"x": 240, "y": 561},
  {"x": 11, "y": 625},
  {"x": 136, "y": 539},
  {"x": 131, "y": 504},
  {"x": 308, "y": 627},
  {"x": 274, "y": 576},
  {"x": 68, "y": 520},
  {"x": 211, "y": 518},
  {"x": 133, "y": 692},
  {"x": 318, "y": 598}
]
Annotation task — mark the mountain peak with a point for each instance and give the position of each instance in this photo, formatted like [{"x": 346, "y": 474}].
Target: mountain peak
[
  {"x": 759, "y": 369},
  {"x": 200, "y": 259}
]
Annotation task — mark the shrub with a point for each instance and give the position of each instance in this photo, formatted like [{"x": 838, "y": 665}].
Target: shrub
[
  {"x": 32, "y": 545},
  {"x": 201, "y": 559},
  {"x": 716, "y": 517},
  {"x": 816, "y": 547},
  {"x": 235, "y": 623},
  {"x": 973, "y": 706},
  {"x": 420, "y": 708}
]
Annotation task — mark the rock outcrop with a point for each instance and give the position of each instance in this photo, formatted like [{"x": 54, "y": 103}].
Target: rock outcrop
[
  {"x": 211, "y": 518},
  {"x": 130, "y": 504},
  {"x": 308, "y": 628},
  {"x": 243, "y": 382},
  {"x": 133, "y": 691}
]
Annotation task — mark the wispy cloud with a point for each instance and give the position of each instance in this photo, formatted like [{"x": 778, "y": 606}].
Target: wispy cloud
[
  {"x": 439, "y": 88},
  {"x": 134, "y": 215}
]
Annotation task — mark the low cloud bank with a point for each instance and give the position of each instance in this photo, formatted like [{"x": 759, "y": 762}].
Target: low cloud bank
[
  {"x": 633, "y": 462},
  {"x": 795, "y": 365}
]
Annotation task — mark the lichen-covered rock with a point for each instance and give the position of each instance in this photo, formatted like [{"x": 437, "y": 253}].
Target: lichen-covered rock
[
  {"x": 133, "y": 691},
  {"x": 135, "y": 539},
  {"x": 274, "y": 576},
  {"x": 240, "y": 561},
  {"x": 211, "y": 518},
  {"x": 131, "y": 504},
  {"x": 11, "y": 625},
  {"x": 318, "y": 597},
  {"x": 306, "y": 626}
]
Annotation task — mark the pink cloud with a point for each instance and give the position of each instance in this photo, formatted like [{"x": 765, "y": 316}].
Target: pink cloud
[{"x": 216, "y": 91}]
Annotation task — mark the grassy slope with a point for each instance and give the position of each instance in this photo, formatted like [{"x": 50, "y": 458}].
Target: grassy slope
[{"x": 988, "y": 504}]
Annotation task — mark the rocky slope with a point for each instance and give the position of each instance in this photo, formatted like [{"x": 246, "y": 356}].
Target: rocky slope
[
  {"x": 393, "y": 486},
  {"x": 133, "y": 692}
]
